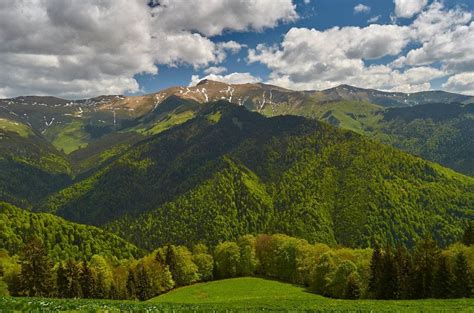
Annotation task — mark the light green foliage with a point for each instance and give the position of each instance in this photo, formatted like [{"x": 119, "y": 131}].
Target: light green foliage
[
  {"x": 204, "y": 262},
  {"x": 248, "y": 257},
  {"x": 62, "y": 239},
  {"x": 227, "y": 258}
]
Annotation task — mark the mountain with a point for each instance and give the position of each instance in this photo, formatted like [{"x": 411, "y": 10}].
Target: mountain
[
  {"x": 90, "y": 131},
  {"x": 366, "y": 111},
  {"x": 30, "y": 167},
  {"x": 230, "y": 171},
  {"x": 62, "y": 239}
]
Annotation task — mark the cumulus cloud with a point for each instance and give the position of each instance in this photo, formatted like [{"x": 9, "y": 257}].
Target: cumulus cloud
[
  {"x": 233, "y": 78},
  {"x": 462, "y": 83},
  {"x": 312, "y": 59},
  {"x": 408, "y": 8},
  {"x": 361, "y": 8},
  {"x": 86, "y": 48},
  {"x": 215, "y": 70}
]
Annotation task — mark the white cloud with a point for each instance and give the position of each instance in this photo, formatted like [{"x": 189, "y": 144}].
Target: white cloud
[
  {"x": 212, "y": 17},
  {"x": 233, "y": 78},
  {"x": 86, "y": 48},
  {"x": 462, "y": 83},
  {"x": 361, "y": 8},
  {"x": 215, "y": 70},
  {"x": 408, "y": 8},
  {"x": 374, "y": 19},
  {"x": 312, "y": 59}
]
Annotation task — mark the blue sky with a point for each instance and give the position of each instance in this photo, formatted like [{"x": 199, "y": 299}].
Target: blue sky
[
  {"x": 77, "y": 49},
  {"x": 317, "y": 14}
]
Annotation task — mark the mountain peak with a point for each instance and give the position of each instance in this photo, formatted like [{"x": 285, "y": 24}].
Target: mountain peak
[{"x": 210, "y": 82}]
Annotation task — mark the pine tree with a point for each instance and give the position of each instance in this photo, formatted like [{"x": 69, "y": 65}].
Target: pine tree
[
  {"x": 171, "y": 261},
  {"x": 87, "y": 281},
  {"x": 442, "y": 281},
  {"x": 404, "y": 270},
  {"x": 425, "y": 259},
  {"x": 143, "y": 284},
  {"x": 131, "y": 285},
  {"x": 36, "y": 270},
  {"x": 73, "y": 274},
  {"x": 62, "y": 283},
  {"x": 389, "y": 276},
  {"x": 468, "y": 236},
  {"x": 462, "y": 277},
  {"x": 375, "y": 272}
]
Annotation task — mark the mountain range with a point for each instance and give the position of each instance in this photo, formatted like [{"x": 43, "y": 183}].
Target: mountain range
[{"x": 215, "y": 161}]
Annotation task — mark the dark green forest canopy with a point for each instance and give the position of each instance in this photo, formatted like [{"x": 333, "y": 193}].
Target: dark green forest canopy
[{"x": 230, "y": 171}]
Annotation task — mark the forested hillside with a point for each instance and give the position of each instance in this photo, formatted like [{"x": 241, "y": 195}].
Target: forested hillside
[
  {"x": 30, "y": 167},
  {"x": 63, "y": 240},
  {"x": 230, "y": 171}
]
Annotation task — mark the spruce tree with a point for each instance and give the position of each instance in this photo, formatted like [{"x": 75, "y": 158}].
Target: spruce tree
[
  {"x": 87, "y": 281},
  {"x": 443, "y": 280},
  {"x": 404, "y": 270},
  {"x": 389, "y": 275},
  {"x": 462, "y": 277},
  {"x": 131, "y": 285},
  {"x": 73, "y": 274},
  {"x": 375, "y": 272},
  {"x": 143, "y": 284},
  {"x": 425, "y": 259},
  {"x": 36, "y": 270},
  {"x": 62, "y": 283}
]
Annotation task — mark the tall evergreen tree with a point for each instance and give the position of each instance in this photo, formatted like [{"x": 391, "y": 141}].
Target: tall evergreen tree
[
  {"x": 443, "y": 280},
  {"x": 375, "y": 272},
  {"x": 425, "y": 259},
  {"x": 62, "y": 283},
  {"x": 131, "y": 285},
  {"x": 36, "y": 270},
  {"x": 143, "y": 284},
  {"x": 404, "y": 265},
  {"x": 87, "y": 281},
  {"x": 462, "y": 277},
  {"x": 73, "y": 274},
  {"x": 389, "y": 275}
]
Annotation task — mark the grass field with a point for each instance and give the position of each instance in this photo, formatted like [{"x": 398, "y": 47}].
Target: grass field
[{"x": 237, "y": 295}]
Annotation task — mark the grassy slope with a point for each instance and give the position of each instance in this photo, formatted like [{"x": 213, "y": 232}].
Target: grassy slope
[{"x": 237, "y": 295}]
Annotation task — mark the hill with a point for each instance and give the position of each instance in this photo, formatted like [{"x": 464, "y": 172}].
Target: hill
[
  {"x": 261, "y": 294},
  {"x": 61, "y": 238},
  {"x": 229, "y": 172}
]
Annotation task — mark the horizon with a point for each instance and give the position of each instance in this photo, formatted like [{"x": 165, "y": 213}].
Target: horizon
[{"x": 259, "y": 83}]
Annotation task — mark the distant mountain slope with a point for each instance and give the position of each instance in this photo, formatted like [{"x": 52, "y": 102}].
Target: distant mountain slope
[
  {"x": 62, "y": 239},
  {"x": 230, "y": 171},
  {"x": 30, "y": 167},
  {"x": 92, "y": 127}
]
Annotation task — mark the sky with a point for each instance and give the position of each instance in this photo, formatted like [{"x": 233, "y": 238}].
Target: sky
[{"x": 79, "y": 49}]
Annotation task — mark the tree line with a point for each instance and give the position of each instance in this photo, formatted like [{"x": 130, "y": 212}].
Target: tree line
[{"x": 425, "y": 271}]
